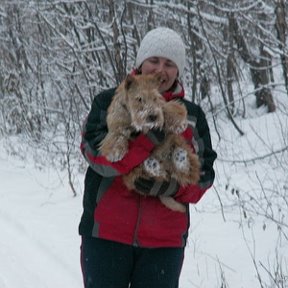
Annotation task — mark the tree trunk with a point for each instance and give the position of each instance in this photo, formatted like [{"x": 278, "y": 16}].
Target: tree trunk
[
  {"x": 199, "y": 73},
  {"x": 121, "y": 73},
  {"x": 258, "y": 69},
  {"x": 281, "y": 28},
  {"x": 230, "y": 72}
]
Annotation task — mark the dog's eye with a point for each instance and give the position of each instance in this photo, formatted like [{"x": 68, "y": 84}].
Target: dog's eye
[{"x": 139, "y": 99}]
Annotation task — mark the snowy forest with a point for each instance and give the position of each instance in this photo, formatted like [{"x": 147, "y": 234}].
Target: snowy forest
[{"x": 57, "y": 55}]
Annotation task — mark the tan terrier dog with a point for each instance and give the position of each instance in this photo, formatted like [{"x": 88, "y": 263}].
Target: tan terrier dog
[{"x": 139, "y": 107}]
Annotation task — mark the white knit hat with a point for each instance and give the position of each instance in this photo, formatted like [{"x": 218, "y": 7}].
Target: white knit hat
[{"x": 162, "y": 42}]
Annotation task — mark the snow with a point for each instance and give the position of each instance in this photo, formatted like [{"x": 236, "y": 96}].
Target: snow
[
  {"x": 39, "y": 245},
  {"x": 232, "y": 240}
]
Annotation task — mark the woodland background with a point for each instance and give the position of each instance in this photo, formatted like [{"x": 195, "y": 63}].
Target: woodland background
[{"x": 55, "y": 56}]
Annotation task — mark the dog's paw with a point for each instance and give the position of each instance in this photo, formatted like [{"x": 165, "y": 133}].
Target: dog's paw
[
  {"x": 181, "y": 127},
  {"x": 153, "y": 167},
  {"x": 180, "y": 159},
  {"x": 117, "y": 153},
  {"x": 178, "y": 127}
]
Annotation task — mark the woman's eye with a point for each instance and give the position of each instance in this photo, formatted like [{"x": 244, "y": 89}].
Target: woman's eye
[
  {"x": 153, "y": 60},
  {"x": 170, "y": 64}
]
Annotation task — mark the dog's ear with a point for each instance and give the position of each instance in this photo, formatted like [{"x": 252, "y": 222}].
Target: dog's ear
[{"x": 129, "y": 81}]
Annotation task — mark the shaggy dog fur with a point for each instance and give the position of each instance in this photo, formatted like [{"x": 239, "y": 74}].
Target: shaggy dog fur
[{"x": 138, "y": 107}]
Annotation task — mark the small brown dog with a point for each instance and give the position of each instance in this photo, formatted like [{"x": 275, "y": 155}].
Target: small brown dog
[{"x": 138, "y": 107}]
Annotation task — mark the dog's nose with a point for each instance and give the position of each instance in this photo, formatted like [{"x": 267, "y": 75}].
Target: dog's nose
[{"x": 152, "y": 118}]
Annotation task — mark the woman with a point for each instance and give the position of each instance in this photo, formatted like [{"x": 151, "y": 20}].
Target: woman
[{"x": 131, "y": 240}]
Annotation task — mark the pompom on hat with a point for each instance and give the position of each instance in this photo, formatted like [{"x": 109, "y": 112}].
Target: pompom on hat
[{"x": 162, "y": 42}]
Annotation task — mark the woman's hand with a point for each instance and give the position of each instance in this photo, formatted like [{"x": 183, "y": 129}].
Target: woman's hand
[{"x": 152, "y": 187}]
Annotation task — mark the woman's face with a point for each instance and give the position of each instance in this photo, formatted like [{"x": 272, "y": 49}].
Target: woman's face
[{"x": 165, "y": 67}]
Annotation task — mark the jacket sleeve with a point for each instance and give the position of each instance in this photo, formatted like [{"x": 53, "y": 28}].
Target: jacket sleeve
[
  {"x": 201, "y": 141},
  {"x": 93, "y": 132}
]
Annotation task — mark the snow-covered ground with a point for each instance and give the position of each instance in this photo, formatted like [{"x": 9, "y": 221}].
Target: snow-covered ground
[
  {"x": 39, "y": 245},
  {"x": 229, "y": 244}
]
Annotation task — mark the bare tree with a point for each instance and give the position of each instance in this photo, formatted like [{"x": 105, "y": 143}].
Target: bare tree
[
  {"x": 281, "y": 28},
  {"x": 259, "y": 70}
]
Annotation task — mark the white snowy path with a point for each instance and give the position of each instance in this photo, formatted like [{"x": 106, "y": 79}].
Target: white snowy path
[{"x": 39, "y": 244}]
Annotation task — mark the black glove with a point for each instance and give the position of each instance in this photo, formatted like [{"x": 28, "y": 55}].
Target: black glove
[
  {"x": 156, "y": 135},
  {"x": 152, "y": 187}
]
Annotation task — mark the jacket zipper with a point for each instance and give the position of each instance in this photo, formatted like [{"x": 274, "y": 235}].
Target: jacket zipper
[{"x": 135, "y": 238}]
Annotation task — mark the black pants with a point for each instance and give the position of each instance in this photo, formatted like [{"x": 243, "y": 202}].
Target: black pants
[{"x": 108, "y": 264}]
